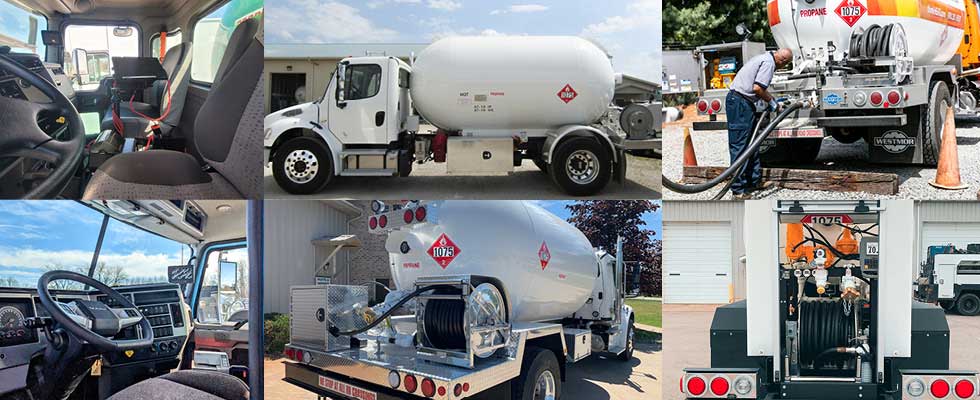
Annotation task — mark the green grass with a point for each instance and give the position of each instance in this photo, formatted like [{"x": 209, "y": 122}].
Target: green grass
[{"x": 647, "y": 312}]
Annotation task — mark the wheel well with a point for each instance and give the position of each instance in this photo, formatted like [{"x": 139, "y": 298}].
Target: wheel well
[
  {"x": 552, "y": 343},
  {"x": 290, "y": 134},
  {"x": 606, "y": 144},
  {"x": 948, "y": 80}
]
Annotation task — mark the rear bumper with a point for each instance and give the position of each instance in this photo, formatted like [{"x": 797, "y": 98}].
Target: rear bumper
[
  {"x": 857, "y": 121},
  {"x": 310, "y": 378}
]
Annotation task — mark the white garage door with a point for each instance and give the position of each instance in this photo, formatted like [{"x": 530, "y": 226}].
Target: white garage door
[
  {"x": 697, "y": 262},
  {"x": 959, "y": 234}
]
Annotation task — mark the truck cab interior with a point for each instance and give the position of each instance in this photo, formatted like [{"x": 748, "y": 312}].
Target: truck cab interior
[
  {"x": 127, "y": 99},
  {"x": 124, "y": 300}
]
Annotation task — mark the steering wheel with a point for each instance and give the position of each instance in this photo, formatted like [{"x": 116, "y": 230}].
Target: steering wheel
[
  {"x": 22, "y": 137},
  {"x": 94, "y": 321}
]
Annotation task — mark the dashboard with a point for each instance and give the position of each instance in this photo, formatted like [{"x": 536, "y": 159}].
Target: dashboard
[
  {"x": 14, "y": 87},
  {"x": 13, "y": 312}
]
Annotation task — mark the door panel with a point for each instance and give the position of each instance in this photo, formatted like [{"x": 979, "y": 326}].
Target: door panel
[{"x": 356, "y": 119}]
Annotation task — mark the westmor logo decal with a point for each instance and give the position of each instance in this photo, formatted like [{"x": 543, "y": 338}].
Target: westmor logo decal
[
  {"x": 895, "y": 142},
  {"x": 833, "y": 99}
]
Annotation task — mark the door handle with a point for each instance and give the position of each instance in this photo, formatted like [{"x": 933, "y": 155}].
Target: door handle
[{"x": 379, "y": 118}]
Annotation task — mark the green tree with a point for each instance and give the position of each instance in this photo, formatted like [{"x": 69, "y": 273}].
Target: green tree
[
  {"x": 111, "y": 275},
  {"x": 692, "y": 23},
  {"x": 9, "y": 281},
  {"x": 602, "y": 221}
]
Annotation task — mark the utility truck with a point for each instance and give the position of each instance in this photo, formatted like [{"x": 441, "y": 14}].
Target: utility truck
[
  {"x": 829, "y": 311},
  {"x": 494, "y": 102},
  {"x": 951, "y": 277},
  {"x": 882, "y": 71},
  {"x": 504, "y": 298}
]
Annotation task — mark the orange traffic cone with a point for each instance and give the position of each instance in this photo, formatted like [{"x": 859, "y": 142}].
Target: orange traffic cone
[
  {"x": 948, "y": 171},
  {"x": 690, "y": 159}
]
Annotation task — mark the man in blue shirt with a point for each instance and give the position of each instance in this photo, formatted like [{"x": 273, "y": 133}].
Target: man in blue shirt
[{"x": 750, "y": 87}]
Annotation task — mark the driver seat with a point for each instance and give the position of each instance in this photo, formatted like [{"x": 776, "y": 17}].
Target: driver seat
[
  {"x": 187, "y": 385},
  {"x": 227, "y": 136}
]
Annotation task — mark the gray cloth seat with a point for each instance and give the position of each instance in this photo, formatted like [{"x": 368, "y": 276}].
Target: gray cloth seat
[
  {"x": 187, "y": 385},
  {"x": 227, "y": 136},
  {"x": 177, "y": 64}
]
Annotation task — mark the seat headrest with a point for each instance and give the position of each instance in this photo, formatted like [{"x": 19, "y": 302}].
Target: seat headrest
[{"x": 237, "y": 44}]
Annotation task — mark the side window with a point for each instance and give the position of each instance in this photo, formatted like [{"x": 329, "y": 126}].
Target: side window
[
  {"x": 89, "y": 50},
  {"x": 224, "y": 287},
  {"x": 211, "y": 35},
  {"x": 173, "y": 39},
  {"x": 21, "y": 29},
  {"x": 403, "y": 78},
  {"x": 364, "y": 81}
]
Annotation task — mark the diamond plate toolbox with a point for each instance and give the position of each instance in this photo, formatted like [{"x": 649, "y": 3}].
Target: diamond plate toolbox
[{"x": 313, "y": 309}]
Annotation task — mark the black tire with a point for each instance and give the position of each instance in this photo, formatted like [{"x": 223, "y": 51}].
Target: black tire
[
  {"x": 854, "y": 134},
  {"x": 968, "y": 304},
  {"x": 321, "y": 160},
  {"x": 627, "y": 354},
  {"x": 949, "y": 306},
  {"x": 932, "y": 122},
  {"x": 590, "y": 147},
  {"x": 792, "y": 151},
  {"x": 541, "y": 164},
  {"x": 536, "y": 362}
]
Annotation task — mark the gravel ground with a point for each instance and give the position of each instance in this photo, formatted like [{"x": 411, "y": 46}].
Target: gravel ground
[{"x": 711, "y": 148}]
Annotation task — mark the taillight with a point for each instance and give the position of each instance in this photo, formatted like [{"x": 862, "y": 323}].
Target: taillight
[
  {"x": 394, "y": 380},
  {"x": 702, "y": 106},
  {"x": 442, "y": 391},
  {"x": 382, "y": 221},
  {"x": 939, "y": 388},
  {"x": 719, "y": 386},
  {"x": 420, "y": 214},
  {"x": 894, "y": 97},
  {"x": 457, "y": 390},
  {"x": 290, "y": 353},
  {"x": 428, "y": 387},
  {"x": 715, "y": 105},
  {"x": 876, "y": 99},
  {"x": 695, "y": 386},
  {"x": 373, "y": 222},
  {"x": 466, "y": 386},
  {"x": 964, "y": 389},
  {"x": 410, "y": 383},
  {"x": 409, "y": 215}
]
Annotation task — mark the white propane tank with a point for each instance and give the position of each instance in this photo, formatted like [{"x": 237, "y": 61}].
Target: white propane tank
[
  {"x": 547, "y": 267},
  {"x": 933, "y": 28},
  {"x": 511, "y": 82}
]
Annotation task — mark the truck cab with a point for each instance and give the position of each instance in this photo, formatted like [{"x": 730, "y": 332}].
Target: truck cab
[
  {"x": 107, "y": 95},
  {"x": 124, "y": 300},
  {"x": 950, "y": 277}
]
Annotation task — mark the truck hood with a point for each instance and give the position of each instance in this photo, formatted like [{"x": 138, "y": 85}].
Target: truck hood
[
  {"x": 291, "y": 112},
  {"x": 298, "y": 116}
]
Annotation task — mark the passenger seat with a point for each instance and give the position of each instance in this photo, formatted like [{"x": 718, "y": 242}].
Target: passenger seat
[{"x": 177, "y": 64}]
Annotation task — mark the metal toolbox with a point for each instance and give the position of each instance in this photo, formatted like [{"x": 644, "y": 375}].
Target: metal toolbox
[
  {"x": 313, "y": 309},
  {"x": 465, "y": 155},
  {"x": 579, "y": 343}
]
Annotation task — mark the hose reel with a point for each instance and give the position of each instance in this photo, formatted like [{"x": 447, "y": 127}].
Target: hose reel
[{"x": 823, "y": 326}]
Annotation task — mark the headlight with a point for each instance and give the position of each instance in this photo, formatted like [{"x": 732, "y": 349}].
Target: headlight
[
  {"x": 743, "y": 385},
  {"x": 915, "y": 388}
]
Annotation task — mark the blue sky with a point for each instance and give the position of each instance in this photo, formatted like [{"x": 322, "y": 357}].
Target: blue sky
[
  {"x": 15, "y": 22},
  {"x": 653, "y": 220},
  {"x": 630, "y": 30},
  {"x": 39, "y": 233}
]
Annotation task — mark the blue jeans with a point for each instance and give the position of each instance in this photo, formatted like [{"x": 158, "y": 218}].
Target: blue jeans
[{"x": 741, "y": 120}]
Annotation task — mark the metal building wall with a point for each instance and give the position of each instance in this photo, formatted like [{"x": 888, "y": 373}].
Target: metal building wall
[
  {"x": 290, "y": 225},
  {"x": 943, "y": 211},
  {"x": 715, "y": 211}
]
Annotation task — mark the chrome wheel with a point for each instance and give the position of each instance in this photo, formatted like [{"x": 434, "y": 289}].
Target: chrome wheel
[
  {"x": 544, "y": 387},
  {"x": 582, "y": 167},
  {"x": 301, "y": 166}
]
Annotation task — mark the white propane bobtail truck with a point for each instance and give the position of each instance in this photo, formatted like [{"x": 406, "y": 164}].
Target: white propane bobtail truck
[
  {"x": 829, "y": 311},
  {"x": 495, "y": 101},
  {"x": 505, "y": 297},
  {"x": 882, "y": 71}
]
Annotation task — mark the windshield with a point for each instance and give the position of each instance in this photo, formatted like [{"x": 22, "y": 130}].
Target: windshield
[
  {"x": 20, "y": 29},
  {"x": 40, "y": 236}
]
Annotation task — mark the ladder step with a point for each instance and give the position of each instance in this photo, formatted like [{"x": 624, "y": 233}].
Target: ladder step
[
  {"x": 363, "y": 152},
  {"x": 368, "y": 172}
]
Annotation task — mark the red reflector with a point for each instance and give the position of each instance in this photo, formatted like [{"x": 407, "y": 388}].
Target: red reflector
[
  {"x": 458, "y": 390},
  {"x": 876, "y": 98},
  {"x": 894, "y": 97},
  {"x": 373, "y": 222},
  {"x": 716, "y": 105},
  {"x": 939, "y": 388},
  {"x": 420, "y": 214},
  {"x": 408, "y": 216},
  {"x": 466, "y": 386},
  {"x": 382, "y": 221},
  {"x": 428, "y": 388},
  {"x": 702, "y": 106},
  {"x": 695, "y": 386},
  {"x": 442, "y": 390},
  {"x": 291, "y": 354},
  {"x": 719, "y": 386},
  {"x": 964, "y": 389},
  {"x": 410, "y": 383}
]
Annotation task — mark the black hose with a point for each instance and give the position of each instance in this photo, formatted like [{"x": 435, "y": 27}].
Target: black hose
[
  {"x": 823, "y": 327},
  {"x": 444, "y": 327},
  {"x": 802, "y": 76},
  {"x": 724, "y": 190},
  {"x": 875, "y": 41},
  {"x": 742, "y": 158},
  {"x": 336, "y": 331}
]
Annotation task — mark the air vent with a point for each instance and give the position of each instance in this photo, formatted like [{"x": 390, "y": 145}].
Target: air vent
[
  {"x": 195, "y": 218},
  {"x": 162, "y": 210}
]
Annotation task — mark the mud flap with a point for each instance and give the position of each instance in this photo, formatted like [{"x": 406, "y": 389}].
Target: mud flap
[
  {"x": 619, "y": 174},
  {"x": 898, "y": 144}
]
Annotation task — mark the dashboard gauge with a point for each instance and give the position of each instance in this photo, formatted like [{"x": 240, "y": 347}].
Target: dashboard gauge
[{"x": 11, "y": 319}]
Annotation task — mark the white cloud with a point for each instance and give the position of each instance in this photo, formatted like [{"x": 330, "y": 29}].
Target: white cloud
[
  {"x": 521, "y": 8},
  {"x": 335, "y": 22},
  {"x": 379, "y": 3},
  {"x": 642, "y": 14},
  {"x": 633, "y": 39},
  {"x": 137, "y": 264},
  {"x": 445, "y": 5}
]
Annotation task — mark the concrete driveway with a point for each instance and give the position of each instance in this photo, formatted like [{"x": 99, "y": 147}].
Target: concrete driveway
[
  {"x": 430, "y": 181},
  {"x": 686, "y": 330},
  {"x": 595, "y": 378}
]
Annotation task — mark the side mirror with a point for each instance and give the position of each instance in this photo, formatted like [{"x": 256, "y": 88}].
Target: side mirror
[
  {"x": 341, "y": 94},
  {"x": 81, "y": 63},
  {"x": 228, "y": 276}
]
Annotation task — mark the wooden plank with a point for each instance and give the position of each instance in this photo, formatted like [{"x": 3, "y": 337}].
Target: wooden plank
[{"x": 809, "y": 179}]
